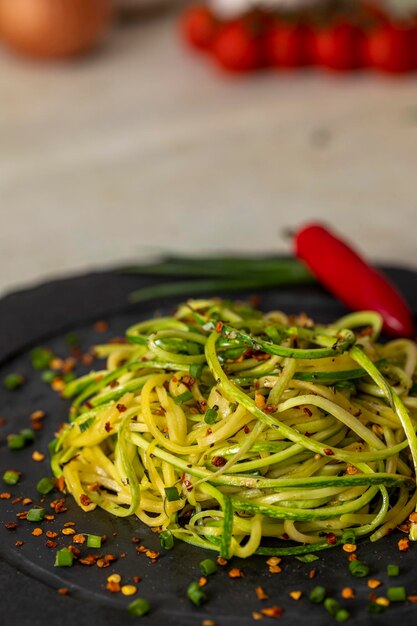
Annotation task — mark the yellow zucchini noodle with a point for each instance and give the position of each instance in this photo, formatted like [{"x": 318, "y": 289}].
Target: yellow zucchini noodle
[{"x": 234, "y": 430}]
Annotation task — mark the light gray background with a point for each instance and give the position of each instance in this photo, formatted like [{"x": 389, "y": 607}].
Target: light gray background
[{"x": 145, "y": 147}]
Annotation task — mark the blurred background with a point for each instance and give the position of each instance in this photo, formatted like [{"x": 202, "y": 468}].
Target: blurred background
[{"x": 144, "y": 144}]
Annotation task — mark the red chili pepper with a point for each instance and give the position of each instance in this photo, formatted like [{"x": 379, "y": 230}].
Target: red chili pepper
[{"x": 351, "y": 279}]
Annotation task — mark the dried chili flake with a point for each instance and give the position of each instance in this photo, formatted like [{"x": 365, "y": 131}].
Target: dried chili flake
[
  {"x": 136, "y": 579},
  {"x": 17, "y": 500},
  {"x": 112, "y": 586},
  {"x": 101, "y": 326},
  {"x": 261, "y": 594},
  {"x": 328, "y": 452},
  {"x": 413, "y": 518},
  {"x": 51, "y": 534},
  {"x": 274, "y": 611},
  {"x": 63, "y": 591},
  {"x": 107, "y": 427},
  {"x": 19, "y": 544},
  {"x": 260, "y": 400},
  {"x": 331, "y": 539},
  {"x": 79, "y": 539},
  {"x": 275, "y": 569},
  {"x": 235, "y": 572},
  {"x": 256, "y": 615},
  {"x": 38, "y": 456},
  {"x": 312, "y": 573},
  {"x": 347, "y": 593},
  {"x": 11, "y": 525},
  {"x": 221, "y": 561},
  {"x": 218, "y": 461},
  {"x": 69, "y": 524},
  {"x": 373, "y": 583},
  {"x": 68, "y": 531},
  {"x": 349, "y": 547},
  {"x": 37, "y": 532},
  {"x": 403, "y": 545},
  {"x": 37, "y": 415},
  {"x": 51, "y": 544},
  {"x": 121, "y": 407},
  {"x": 219, "y": 327},
  {"x": 27, "y": 501},
  {"x": 296, "y": 595},
  {"x": 85, "y": 500},
  {"x": 90, "y": 559},
  {"x": 5, "y": 495},
  {"x": 274, "y": 560}
]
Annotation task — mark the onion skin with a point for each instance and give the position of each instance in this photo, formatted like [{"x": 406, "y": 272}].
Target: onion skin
[{"x": 53, "y": 28}]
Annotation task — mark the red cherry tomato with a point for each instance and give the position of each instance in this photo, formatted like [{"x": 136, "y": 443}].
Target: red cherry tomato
[
  {"x": 287, "y": 45},
  {"x": 237, "y": 48},
  {"x": 391, "y": 48},
  {"x": 198, "y": 26},
  {"x": 338, "y": 47}
]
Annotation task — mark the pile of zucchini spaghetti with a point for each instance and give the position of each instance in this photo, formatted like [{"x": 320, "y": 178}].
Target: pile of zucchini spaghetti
[{"x": 246, "y": 432}]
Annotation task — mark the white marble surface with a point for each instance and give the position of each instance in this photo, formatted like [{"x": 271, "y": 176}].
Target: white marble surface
[{"x": 145, "y": 147}]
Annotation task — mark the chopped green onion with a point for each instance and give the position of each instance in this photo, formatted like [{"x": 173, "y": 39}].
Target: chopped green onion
[
  {"x": 358, "y": 569},
  {"x": 40, "y": 358},
  {"x": 93, "y": 541},
  {"x": 393, "y": 570},
  {"x": 171, "y": 494},
  {"x": 139, "y": 607},
  {"x": 16, "y": 442},
  {"x": 396, "y": 594},
  {"x": 332, "y": 606},
  {"x": 210, "y": 416},
  {"x": 11, "y": 477},
  {"x": 63, "y": 558},
  {"x": 349, "y": 537},
  {"x": 45, "y": 485},
  {"x": 72, "y": 340},
  {"x": 28, "y": 435},
  {"x": 84, "y": 425},
  {"x": 345, "y": 385},
  {"x": 317, "y": 595},
  {"x": 35, "y": 515},
  {"x": 52, "y": 446},
  {"x": 184, "y": 397},
  {"x": 196, "y": 594},
  {"x": 342, "y": 615},
  {"x": 13, "y": 381},
  {"x": 307, "y": 558},
  {"x": 48, "y": 376},
  {"x": 167, "y": 539},
  {"x": 208, "y": 567},
  {"x": 196, "y": 369},
  {"x": 375, "y": 608}
]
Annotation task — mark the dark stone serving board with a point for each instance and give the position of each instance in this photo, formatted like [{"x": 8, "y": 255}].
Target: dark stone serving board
[{"x": 28, "y": 580}]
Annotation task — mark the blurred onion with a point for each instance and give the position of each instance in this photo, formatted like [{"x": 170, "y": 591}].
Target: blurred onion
[{"x": 53, "y": 28}]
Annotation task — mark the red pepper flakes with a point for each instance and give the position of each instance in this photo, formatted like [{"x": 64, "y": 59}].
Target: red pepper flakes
[
  {"x": 136, "y": 539},
  {"x": 352, "y": 557},
  {"x": 260, "y": 400},
  {"x": 347, "y": 593},
  {"x": 373, "y": 583},
  {"x": 274, "y": 611},
  {"x": 106, "y": 560},
  {"x": 51, "y": 544},
  {"x": 261, "y": 594},
  {"x": 85, "y": 500},
  {"x": 101, "y": 326},
  {"x": 107, "y": 427},
  {"x": 331, "y": 539},
  {"x": 75, "y": 551},
  {"x": 208, "y": 622},
  {"x": 202, "y": 581},
  {"x": 51, "y": 534},
  {"x": 69, "y": 524},
  {"x": 123, "y": 555},
  {"x": 27, "y": 501},
  {"x": 3, "y": 421},
  {"x": 49, "y": 518},
  {"x": 37, "y": 415},
  {"x": 38, "y": 456},
  {"x": 17, "y": 500},
  {"x": 79, "y": 539},
  {"x": 307, "y": 411},
  {"x": 112, "y": 586},
  {"x": 403, "y": 545},
  {"x": 36, "y": 425},
  {"x": 349, "y": 547},
  {"x": 11, "y": 525},
  {"x": 19, "y": 544},
  {"x": 221, "y": 561},
  {"x": 312, "y": 573},
  {"x": 136, "y": 579},
  {"x": 413, "y": 518},
  {"x": 22, "y": 515},
  {"x": 37, "y": 532},
  {"x": 412, "y": 599},
  {"x": 58, "y": 384},
  {"x": 219, "y": 327},
  {"x": 90, "y": 559},
  {"x": 68, "y": 531},
  {"x": 87, "y": 359},
  {"x": 58, "y": 505},
  {"x": 328, "y": 452},
  {"x": 235, "y": 572},
  {"x": 256, "y": 615},
  {"x": 63, "y": 591},
  {"x": 5, "y": 495},
  {"x": 60, "y": 483},
  {"x": 296, "y": 595},
  {"x": 218, "y": 461},
  {"x": 121, "y": 407}
]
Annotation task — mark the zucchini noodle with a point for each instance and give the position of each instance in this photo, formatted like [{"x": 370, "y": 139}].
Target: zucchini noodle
[{"x": 248, "y": 433}]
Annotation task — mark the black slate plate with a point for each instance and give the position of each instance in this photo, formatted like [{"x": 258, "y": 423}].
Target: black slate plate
[{"x": 44, "y": 315}]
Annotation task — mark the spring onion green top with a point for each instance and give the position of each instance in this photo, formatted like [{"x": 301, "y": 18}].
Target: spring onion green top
[{"x": 233, "y": 429}]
